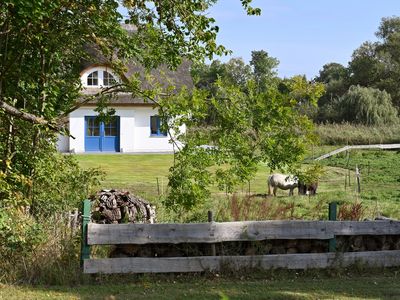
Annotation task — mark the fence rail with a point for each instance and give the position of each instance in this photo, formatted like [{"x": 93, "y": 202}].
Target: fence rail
[
  {"x": 216, "y": 263},
  {"x": 215, "y": 232},
  {"x": 345, "y": 148}
]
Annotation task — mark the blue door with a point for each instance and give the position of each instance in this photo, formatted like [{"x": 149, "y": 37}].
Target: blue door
[{"x": 101, "y": 136}]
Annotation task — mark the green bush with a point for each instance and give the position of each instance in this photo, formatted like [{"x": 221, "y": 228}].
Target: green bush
[
  {"x": 61, "y": 184},
  {"x": 20, "y": 234},
  {"x": 58, "y": 184},
  {"x": 35, "y": 246},
  {"x": 38, "y": 250}
]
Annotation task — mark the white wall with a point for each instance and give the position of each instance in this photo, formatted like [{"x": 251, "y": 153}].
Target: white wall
[
  {"x": 144, "y": 142},
  {"x": 63, "y": 143},
  {"x": 134, "y": 131}
]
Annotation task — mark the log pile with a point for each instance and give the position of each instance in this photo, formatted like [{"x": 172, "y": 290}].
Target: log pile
[
  {"x": 113, "y": 207},
  {"x": 344, "y": 244}
]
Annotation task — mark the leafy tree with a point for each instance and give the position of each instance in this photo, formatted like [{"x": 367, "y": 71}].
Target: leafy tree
[
  {"x": 250, "y": 127},
  {"x": 263, "y": 68},
  {"x": 235, "y": 71},
  {"x": 336, "y": 79},
  {"x": 366, "y": 67},
  {"x": 367, "y": 106},
  {"x": 377, "y": 65}
]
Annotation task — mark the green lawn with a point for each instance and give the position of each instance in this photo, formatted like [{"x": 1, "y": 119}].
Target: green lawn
[
  {"x": 136, "y": 173},
  {"x": 293, "y": 286}
]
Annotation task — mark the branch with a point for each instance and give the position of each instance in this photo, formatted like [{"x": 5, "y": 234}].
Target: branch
[
  {"x": 154, "y": 101},
  {"x": 31, "y": 118},
  {"x": 109, "y": 90}
]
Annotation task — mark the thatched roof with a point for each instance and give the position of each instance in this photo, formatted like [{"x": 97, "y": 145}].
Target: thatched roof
[{"x": 162, "y": 75}]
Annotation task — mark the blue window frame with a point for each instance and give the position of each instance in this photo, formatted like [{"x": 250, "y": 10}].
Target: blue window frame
[{"x": 155, "y": 126}]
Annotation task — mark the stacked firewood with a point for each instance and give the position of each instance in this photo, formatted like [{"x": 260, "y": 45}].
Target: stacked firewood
[
  {"x": 265, "y": 247},
  {"x": 113, "y": 207}
]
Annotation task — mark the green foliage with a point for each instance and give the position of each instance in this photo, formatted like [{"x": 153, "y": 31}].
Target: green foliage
[
  {"x": 250, "y": 127},
  {"x": 44, "y": 180},
  {"x": 235, "y": 72},
  {"x": 366, "y": 106},
  {"x": 60, "y": 184},
  {"x": 189, "y": 178},
  {"x": 373, "y": 65},
  {"x": 20, "y": 234},
  {"x": 311, "y": 174},
  {"x": 367, "y": 65},
  {"x": 263, "y": 68},
  {"x": 336, "y": 79}
]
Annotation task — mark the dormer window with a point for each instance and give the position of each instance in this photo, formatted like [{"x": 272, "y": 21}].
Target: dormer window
[
  {"x": 93, "y": 79},
  {"x": 98, "y": 77},
  {"x": 108, "y": 79}
]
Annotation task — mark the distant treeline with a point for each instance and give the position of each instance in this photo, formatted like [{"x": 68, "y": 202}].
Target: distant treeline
[{"x": 365, "y": 92}]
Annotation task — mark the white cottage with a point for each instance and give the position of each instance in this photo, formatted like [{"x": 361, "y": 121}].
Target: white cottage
[{"x": 135, "y": 127}]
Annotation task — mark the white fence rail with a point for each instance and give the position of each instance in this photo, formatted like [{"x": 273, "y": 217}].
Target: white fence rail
[{"x": 376, "y": 146}]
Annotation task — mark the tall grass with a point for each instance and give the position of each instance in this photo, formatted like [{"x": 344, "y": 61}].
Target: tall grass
[
  {"x": 245, "y": 207},
  {"x": 52, "y": 259},
  {"x": 349, "y": 134}
]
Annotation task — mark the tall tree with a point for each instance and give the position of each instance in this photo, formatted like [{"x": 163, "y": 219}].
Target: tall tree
[
  {"x": 366, "y": 66},
  {"x": 336, "y": 79},
  {"x": 263, "y": 68},
  {"x": 377, "y": 64}
]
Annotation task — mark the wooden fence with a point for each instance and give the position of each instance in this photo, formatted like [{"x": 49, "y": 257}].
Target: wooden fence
[
  {"x": 214, "y": 232},
  {"x": 346, "y": 148}
]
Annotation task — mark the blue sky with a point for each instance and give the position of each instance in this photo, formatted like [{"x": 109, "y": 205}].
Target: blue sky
[{"x": 303, "y": 34}]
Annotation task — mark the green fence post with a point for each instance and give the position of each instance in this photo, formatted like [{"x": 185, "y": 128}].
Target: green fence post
[
  {"x": 85, "y": 248},
  {"x": 332, "y": 217}
]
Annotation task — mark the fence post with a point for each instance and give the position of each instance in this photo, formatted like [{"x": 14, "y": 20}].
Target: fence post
[
  {"x": 211, "y": 219},
  {"x": 358, "y": 180},
  {"x": 332, "y": 217},
  {"x": 85, "y": 248}
]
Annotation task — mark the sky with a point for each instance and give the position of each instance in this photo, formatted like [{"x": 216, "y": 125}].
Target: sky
[{"x": 303, "y": 34}]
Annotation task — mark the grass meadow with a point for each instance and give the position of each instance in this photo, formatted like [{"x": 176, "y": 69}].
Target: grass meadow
[{"x": 146, "y": 175}]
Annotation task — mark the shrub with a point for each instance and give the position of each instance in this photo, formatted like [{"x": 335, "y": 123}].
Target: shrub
[
  {"x": 37, "y": 251},
  {"x": 20, "y": 234}
]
